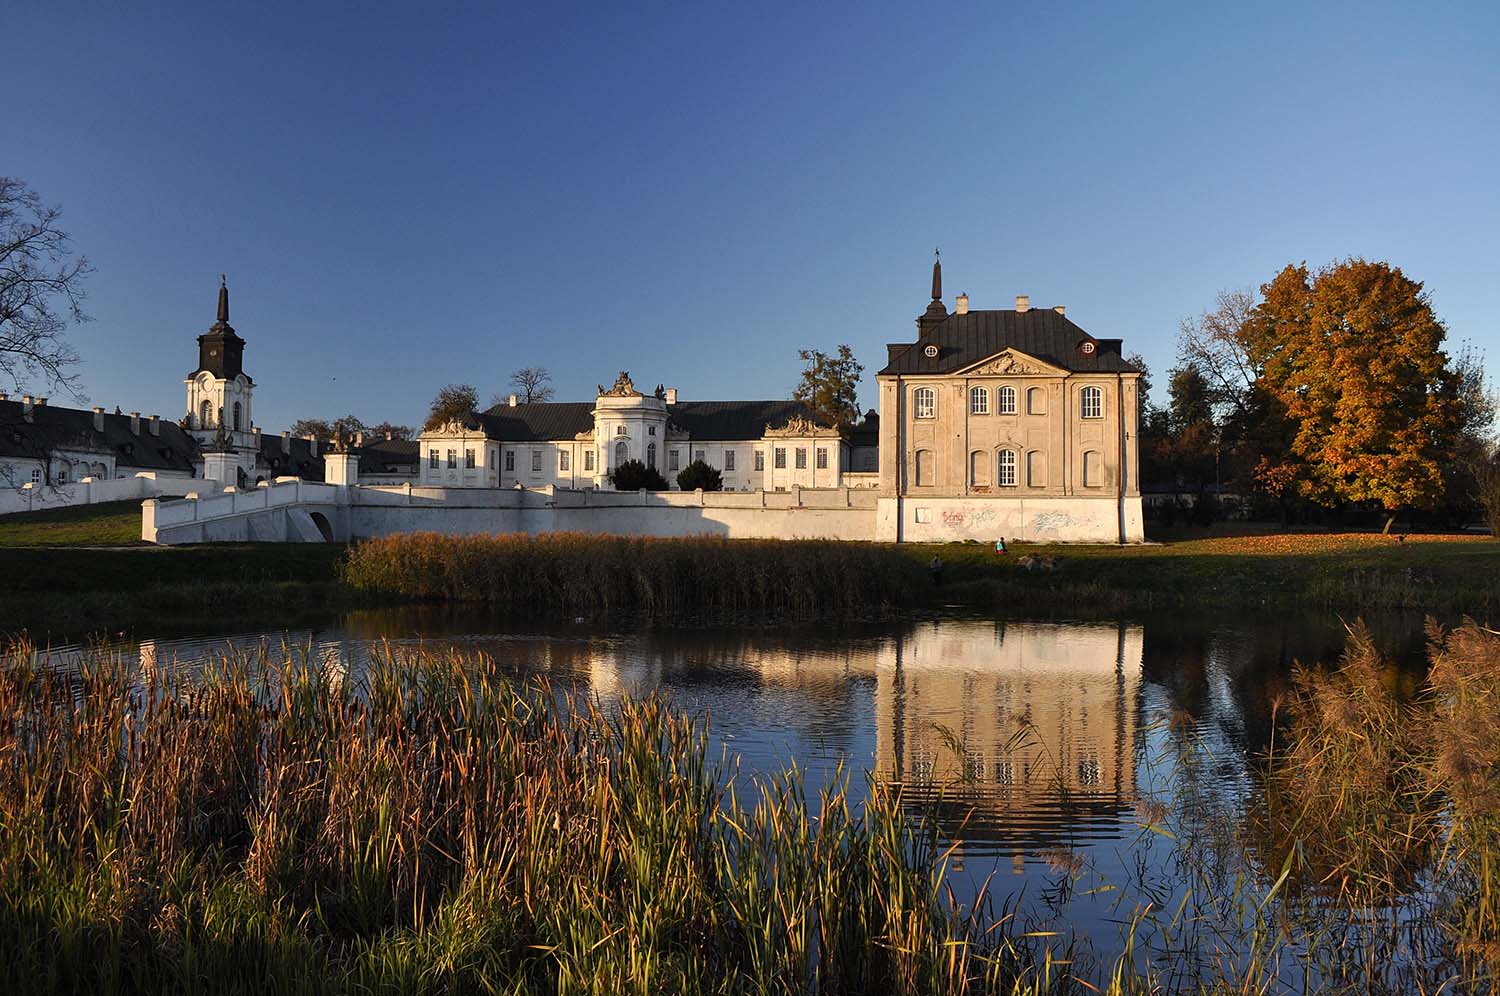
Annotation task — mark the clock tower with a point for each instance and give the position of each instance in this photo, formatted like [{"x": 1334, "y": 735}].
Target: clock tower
[{"x": 218, "y": 391}]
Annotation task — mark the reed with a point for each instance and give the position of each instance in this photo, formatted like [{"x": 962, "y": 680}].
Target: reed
[
  {"x": 700, "y": 577},
  {"x": 433, "y": 827}
]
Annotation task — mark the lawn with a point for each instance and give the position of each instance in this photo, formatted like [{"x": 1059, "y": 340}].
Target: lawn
[
  {"x": 115, "y": 523},
  {"x": 1335, "y": 571}
]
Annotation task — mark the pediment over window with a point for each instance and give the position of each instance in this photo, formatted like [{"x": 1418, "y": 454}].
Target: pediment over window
[{"x": 1012, "y": 362}]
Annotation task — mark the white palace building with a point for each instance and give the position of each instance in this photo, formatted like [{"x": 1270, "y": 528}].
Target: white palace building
[{"x": 1011, "y": 423}]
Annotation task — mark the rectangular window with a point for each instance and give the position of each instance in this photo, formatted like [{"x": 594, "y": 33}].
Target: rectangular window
[
  {"x": 36, "y": 474},
  {"x": 729, "y": 459},
  {"x": 760, "y": 459},
  {"x": 924, "y": 401},
  {"x": 822, "y": 458},
  {"x": 979, "y": 401},
  {"x": 801, "y": 458},
  {"x": 468, "y": 459},
  {"x": 651, "y": 430},
  {"x": 673, "y": 459},
  {"x": 923, "y": 514},
  {"x": 781, "y": 458},
  {"x": 564, "y": 460},
  {"x": 620, "y": 430},
  {"x": 697, "y": 454},
  {"x": 432, "y": 459},
  {"x": 536, "y": 461},
  {"x": 588, "y": 460},
  {"x": 453, "y": 459},
  {"x": 510, "y": 460}
]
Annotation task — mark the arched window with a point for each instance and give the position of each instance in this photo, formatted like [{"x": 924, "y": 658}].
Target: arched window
[
  {"x": 979, "y": 401},
  {"x": 924, "y": 402},
  {"x": 1005, "y": 401},
  {"x": 1091, "y": 469},
  {"x": 1036, "y": 401},
  {"x": 237, "y": 426},
  {"x": 651, "y": 456},
  {"x": 622, "y": 453},
  {"x": 1091, "y": 402},
  {"x": 979, "y": 469},
  {"x": 924, "y": 468},
  {"x": 1007, "y": 469},
  {"x": 206, "y": 415},
  {"x": 1036, "y": 469}
]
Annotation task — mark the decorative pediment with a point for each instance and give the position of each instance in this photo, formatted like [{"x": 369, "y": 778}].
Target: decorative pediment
[
  {"x": 798, "y": 426},
  {"x": 1012, "y": 362}
]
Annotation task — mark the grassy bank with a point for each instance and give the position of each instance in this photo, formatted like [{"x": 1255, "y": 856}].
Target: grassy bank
[
  {"x": 567, "y": 574},
  {"x": 115, "y": 523},
  {"x": 1343, "y": 572},
  {"x": 80, "y": 570}
]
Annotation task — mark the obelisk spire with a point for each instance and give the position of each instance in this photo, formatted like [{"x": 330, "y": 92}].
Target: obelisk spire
[
  {"x": 223, "y": 300},
  {"x": 937, "y": 275}
]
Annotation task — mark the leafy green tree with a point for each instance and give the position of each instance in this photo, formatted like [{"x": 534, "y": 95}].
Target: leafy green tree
[
  {"x": 455, "y": 402},
  {"x": 632, "y": 475},
  {"x": 1354, "y": 355},
  {"x": 830, "y": 385},
  {"x": 699, "y": 474}
]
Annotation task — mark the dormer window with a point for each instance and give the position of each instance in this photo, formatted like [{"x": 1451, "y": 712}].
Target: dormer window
[{"x": 930, "y": 351}]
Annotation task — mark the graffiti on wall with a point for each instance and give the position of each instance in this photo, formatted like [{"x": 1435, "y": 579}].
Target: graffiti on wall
[
  {"x": 1053, "y": 522},
  {"x": 958, "y": 518}
]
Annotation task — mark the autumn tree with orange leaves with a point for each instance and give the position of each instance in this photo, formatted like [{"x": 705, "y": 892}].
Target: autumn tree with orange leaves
[{"x": 1354, "y": 356}]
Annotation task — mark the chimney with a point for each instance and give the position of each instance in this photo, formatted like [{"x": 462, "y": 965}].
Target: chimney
[
  {"x": 1023, "y": 304},
  {"x": 40, "y": 402},
  {"x": 961, "y": 304},
  {"x": 156, "y": 425},
  {"x": 4, "y": 396},
  {"x": 255, "y": 436},
  {"x": 1061, "y": 309},
  {"x": 98, "y": 419},
  {"x": 671, "y": 395},
  {"x": 286, "y": 442},
  {"x": 359, "y": 439},
  {"x": 135, "y": 423},
  {"x": 510, "y": 402},
  {"x": 387, "y": 435},
  {"x": 27, "y": 408}
]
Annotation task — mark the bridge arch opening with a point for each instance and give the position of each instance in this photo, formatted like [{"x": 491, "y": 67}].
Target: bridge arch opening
[{"x": 321, "y": 521}]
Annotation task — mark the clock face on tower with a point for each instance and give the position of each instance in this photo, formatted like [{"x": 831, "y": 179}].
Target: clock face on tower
[{"x": 213, "y": 353}]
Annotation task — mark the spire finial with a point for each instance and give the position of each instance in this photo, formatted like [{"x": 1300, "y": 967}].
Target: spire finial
[
  {"x": 937, "y": 275},
  {"x": 223, "y": 300}
]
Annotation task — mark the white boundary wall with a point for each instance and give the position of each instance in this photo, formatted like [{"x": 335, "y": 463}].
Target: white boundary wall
[
  {"x": 31, "y": 497},
  {"x": 291, "y": 510}
]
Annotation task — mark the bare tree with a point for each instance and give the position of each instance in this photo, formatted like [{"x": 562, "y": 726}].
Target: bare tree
[
  {"x": 532, "y": 384},
  {"x": 454, "y": 402},
  {"x": 41, "y": 290},
  {"x": 1213, "y": 343}
]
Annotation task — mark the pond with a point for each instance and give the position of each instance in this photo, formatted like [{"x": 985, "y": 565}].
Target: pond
[{"x": 1049, "y": 749}]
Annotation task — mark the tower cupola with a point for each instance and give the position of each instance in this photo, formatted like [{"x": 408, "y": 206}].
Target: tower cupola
[{"x": 221, "y": 351}]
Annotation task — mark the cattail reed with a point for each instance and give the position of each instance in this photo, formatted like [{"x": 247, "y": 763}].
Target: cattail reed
[{"x": 571, "y": 574}]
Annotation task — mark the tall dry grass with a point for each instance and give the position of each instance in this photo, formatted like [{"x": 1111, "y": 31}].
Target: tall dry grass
[
  {"x": 1382, "y": 808},
  {"x": 570, "y": 574},
  {"x": 433, "y": 827}
]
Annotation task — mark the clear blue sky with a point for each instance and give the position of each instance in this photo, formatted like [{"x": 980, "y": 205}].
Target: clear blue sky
[{"x": 408, "y": 195}]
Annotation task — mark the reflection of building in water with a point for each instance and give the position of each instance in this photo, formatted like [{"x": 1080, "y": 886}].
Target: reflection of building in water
[{"x": 1042, "y": 717}]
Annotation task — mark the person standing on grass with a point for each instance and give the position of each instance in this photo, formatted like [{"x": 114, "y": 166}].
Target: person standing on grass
[
  {"x": 936, "y": 570},
  {"x": 1000, "y": 545}
]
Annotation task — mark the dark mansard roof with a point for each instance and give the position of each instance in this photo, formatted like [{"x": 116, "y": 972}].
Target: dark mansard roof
[
  {"x": 52, "y": 429},
  {"x": 707, "y": 420},
  {"x": 964, "y": 340}
]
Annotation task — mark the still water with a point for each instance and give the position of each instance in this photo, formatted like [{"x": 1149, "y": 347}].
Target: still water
[{"x": 1044, "y": 745}]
